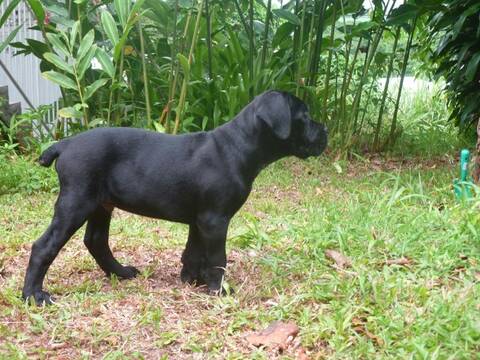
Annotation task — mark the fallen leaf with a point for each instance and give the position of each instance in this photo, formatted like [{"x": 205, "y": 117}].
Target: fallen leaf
[
  {"x": 340, "y": 260},
  {"x": 301, "y": 354},
  {"x": 458, "y": 270},
  {"x": 401, "y": 261},
  {"x": 271, "y": 303},
  {"x": 432, "y": 283},
  {"x": 477, "y": 275},
  {"x": 361, "y": 329},
  {"x": 277, "y": 335},
  {"x": 337, "y": 167},
  {"x": 57, "y": 346},
  {"x": 252, "y": 253}
]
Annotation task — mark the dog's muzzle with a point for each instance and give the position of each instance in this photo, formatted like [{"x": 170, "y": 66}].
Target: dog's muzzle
[{"x": 317, "y": 138}]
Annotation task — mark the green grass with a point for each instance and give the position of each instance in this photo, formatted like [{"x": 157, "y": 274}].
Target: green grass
[
  {"x": 424, "y": 122},
  {"x": 19, "y": 173},
  {"x": 369, "y": 210}
]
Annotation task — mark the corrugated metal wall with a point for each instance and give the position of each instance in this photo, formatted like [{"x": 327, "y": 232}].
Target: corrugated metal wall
[{"x": 25, "y": 69}]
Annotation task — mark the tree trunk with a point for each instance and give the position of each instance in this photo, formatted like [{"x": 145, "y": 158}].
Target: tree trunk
[{"x": 476, "y": 174}]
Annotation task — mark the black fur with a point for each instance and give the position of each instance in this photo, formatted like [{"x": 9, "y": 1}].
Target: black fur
[{"x": 199, "y": 179}]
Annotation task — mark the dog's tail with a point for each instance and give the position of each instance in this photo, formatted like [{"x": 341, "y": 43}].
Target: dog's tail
[{"x": 47, "y": 157}]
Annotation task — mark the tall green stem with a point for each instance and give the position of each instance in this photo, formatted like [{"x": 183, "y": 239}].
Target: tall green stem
[
  {"x": 209, "y": 38},
  {"x": 80, "y": 94},
  {"x": 393, "y": 128},
  {"x": 385, "y": 91},
  {"x": 145, "y": 76},
  {"x": 183, "y": 92},
  {"x": 173, "y": 85},
  {"x": 299, "y": 65},
  {"x": 318, "y": 44},
  {"x": 166, "y": 112},
  {"x": 120, "y": 79},
  {"x": 265, "y": 33},
  {"x": 251, "y": 43},
  {"x": 344, "y": 90},
  {"x": 242, "y": 18},
  {"x": 296, "y": 34},
  {"x": 211, "y": 84},
  {"x": 326, "y": 95}
]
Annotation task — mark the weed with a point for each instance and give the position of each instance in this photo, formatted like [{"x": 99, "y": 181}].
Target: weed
[{"x": 372, "y": 213}]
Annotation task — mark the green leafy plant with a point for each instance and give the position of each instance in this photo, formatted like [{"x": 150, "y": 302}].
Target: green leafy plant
[
  {"x": 77, "y": 59},
  {"x": 189, "y": 65},
  {"x": 3, "y": 19}
]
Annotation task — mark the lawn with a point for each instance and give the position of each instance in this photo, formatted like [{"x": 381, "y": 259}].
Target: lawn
[{"x": 412, "y": 290}]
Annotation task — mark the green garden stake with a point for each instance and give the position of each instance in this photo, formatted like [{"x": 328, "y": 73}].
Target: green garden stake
[{"x": 463, "y": 185}]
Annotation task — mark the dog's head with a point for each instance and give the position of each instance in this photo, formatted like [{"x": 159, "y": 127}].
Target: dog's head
[{"x": 288, "y": 119}]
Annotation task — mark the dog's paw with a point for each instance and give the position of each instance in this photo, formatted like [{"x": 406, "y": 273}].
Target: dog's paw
[
  {"x": 190, "y": 278},
  {"x": 128, "y": 272},
  {"x": 187, "y": 277},
  {"x": 224, "y": 291},
  {"x": 40, "y": 297}
]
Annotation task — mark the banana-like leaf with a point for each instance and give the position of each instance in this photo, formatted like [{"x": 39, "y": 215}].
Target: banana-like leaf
[
  {"x": 91, "y": 89},
  {"x": 74, "y": 33},
  {"x": 10, "y": 7},
  {"x": 184, "y": 62},
  {"x": 287, "y": 15},
  {"x": 86, "y": 61},
  {"x": 122, "y": 7},
  {"x": 58, "y": 45},
  {"x": 9, "y": 38},
  {"x": 135, "y": 10},
  {"x": 60, "y": 79},
  {"x": 110, "y": 27},
  {"x": 282, "y": 33},
  {"x": 472, "y": 67},
  {"x": 37, "y": 9},
  {"x": 85, "y": 45},
  {"x": 96, "y": 122},
  {"x": 58, "y": 62},
  {"x": 403, "y": 14},
  {"x": 105, "y": 62},
  {"x": 132, "y": 19},
  {"x": 70, "y": 112}
]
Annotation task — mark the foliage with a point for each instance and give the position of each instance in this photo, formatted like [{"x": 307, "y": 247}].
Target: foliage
[
  {"x": 424, "y": 124},
  {"x": 450, "y": 41},
  {"x": 19, "y": 173},
  {"x": 3, "y": 19},
  {"x": 171, "y": 66},
  {"x": 458, "y": 56}
]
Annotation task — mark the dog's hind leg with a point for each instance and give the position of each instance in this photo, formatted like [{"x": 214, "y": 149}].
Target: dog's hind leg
[
  {"x": 71, "y": 212},
  {"x": 96, "y": 241},
  {"x": 193, "y": 258}
]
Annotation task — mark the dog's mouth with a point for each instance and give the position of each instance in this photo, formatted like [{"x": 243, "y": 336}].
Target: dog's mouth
[
  {"x": 310, "y": 150},
  {"x": 315, "y": 147},
  {"x": 309, "y": 140}
]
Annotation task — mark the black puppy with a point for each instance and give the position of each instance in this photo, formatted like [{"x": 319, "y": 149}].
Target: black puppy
[{"x": 199, "y": 179}]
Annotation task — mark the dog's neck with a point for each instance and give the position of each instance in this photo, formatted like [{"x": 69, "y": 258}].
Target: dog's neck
[{"x": 255, "y": 147}]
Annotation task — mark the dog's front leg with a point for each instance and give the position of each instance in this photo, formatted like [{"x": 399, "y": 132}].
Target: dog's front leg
[
  {"x": 193, "y": 258},
  {"x": 212, "y": 230}
]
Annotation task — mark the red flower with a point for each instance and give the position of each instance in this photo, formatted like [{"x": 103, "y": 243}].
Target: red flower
[{"x": 46, "y": 21}]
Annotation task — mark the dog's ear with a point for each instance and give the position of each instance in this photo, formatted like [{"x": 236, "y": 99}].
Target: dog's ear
[{"x": 274, "y": 109}]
